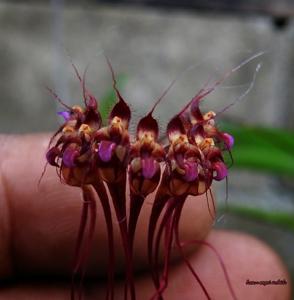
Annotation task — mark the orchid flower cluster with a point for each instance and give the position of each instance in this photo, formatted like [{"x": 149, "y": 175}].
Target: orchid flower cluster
[{"x": 101, "y": 159}]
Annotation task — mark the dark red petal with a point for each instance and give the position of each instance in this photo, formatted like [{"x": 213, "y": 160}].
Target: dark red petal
[
  {"x": 149, "y": 167},
  {"x": 91, "y": 102},
  {"x": 121, "y": 110},
  {"x": 197, "y": 129},
  {"x": 93, "y": 119},
  {"x": 105, "y": 150},
  {"x": 175, "y": 125},
  {"x": 148, "y": 123},
  {"x": 51, "y": 156},
  {"x": 221, "y": 171},
  {"x": 69, "y": 156},
  {"x": 214, "y": 154},
  {"x": 195, "y": 110}
]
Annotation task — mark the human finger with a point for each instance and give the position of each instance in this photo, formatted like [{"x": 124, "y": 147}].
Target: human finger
[
  {"x": 38, "y": 225},
  {"x": 244, "y": 257}
]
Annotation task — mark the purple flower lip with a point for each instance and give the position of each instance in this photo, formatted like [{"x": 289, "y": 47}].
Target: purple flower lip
[
  {"x": 148, "y": 167},
  {"x": 228, "y": 140},
  {"x": 221, "y": 171},
  {"x": 69, "y": 156},
  {"x": 105, "y": 150},
  {"x": 191, "y": 171},
  {"x": 64, "y": 114}
]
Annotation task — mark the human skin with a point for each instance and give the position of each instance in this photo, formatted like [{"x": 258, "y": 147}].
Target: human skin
[{"x": 38, "y": 227}]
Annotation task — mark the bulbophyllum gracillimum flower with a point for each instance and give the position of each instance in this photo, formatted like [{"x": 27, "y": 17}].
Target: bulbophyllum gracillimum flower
[
  {"x": 98, "y": 159},
  {"x": 145, "y": 155}
]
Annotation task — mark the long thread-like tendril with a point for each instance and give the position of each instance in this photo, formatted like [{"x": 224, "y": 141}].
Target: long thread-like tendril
[{"x": 101, "y": 191}]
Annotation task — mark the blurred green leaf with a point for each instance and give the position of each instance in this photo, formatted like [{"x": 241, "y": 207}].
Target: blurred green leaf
[
  {"x": 281, "y": 219},
  {"x": 262, "y": 149},
  {"x": 109, "y": 99}
]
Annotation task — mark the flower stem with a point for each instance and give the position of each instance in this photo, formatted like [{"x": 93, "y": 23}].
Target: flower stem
[
  {"x": 78, "y": 254},
  {"x": 118, "y": 193},
  {"x": 157, "y": 208},
  {"x": 167, "y": 224},
  {"x": 180, "y": 248},
  {"x": 135, "y": 208},
  {"x": 101, "y": 191},
  {"x": 83, "y": 245}
]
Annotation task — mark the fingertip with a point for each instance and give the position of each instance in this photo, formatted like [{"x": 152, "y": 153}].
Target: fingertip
[
  {"x": 37, "y": 218},
  {"x": 245, "y": 258},
  {"x": 15, "y": 152}
]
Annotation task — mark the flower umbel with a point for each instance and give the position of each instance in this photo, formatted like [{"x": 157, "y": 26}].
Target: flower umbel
[{"x": 98, "y": 159}]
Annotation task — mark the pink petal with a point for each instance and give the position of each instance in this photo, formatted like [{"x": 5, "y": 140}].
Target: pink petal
[{"x": 228, "y": 140}]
